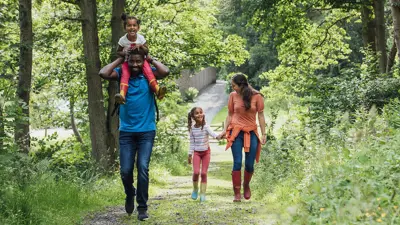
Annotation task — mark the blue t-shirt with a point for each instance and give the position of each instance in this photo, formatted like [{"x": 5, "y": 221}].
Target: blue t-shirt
[{"x": 138, "y": 112}]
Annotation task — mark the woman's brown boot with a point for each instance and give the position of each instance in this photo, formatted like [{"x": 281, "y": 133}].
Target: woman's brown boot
[{"x": 237, "y": 183}]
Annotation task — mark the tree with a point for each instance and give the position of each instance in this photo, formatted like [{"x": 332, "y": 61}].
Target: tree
[
  {"x": 22, "y": 136},
  {"x": 379, "y": 8},
  {"x": 396, "y": 24},
  {"x": 112, "y": 121},
  {"x": 97, "y": 118},
  {"x": 368, "y": 27}
]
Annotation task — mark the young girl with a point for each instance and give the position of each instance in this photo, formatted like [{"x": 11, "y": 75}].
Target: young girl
[
  {"x": 134, "y": 40},
  {"x": 199, "y": 150}
]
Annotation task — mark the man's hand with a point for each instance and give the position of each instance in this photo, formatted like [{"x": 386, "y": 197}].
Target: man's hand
[{"x": 190, "y": 159}]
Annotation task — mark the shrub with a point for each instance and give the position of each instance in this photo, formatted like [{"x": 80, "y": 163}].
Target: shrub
[{"x": 191, "y": 94}]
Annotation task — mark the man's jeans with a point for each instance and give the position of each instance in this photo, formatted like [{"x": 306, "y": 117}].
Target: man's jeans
[
  {"x": 237, "y": 151},
  {"x": 130, "y": 144}
]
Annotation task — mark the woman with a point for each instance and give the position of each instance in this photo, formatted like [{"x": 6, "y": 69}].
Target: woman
[{"x": 241, "y": 131}]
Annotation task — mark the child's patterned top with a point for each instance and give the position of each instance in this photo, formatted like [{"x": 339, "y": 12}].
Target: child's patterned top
[{"x": 199, "y": 138}]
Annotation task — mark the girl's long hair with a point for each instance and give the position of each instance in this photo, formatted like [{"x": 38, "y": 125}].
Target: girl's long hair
[
  {"x": 246, "y": 90},
  {"x": 191, "y": 118}
]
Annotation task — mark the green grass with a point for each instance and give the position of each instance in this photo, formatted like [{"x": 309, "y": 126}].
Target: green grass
[
  {"x": 221, "y": 116},
  {"x": 51, "y": 201}
]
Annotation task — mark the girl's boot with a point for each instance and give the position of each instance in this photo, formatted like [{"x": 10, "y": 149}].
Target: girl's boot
[
  {"x": 195, "y": 190},
  {"x": 246, "y": 185},
  {"x": 203, "y": 187},
  {"x": 237, "y": 183}
]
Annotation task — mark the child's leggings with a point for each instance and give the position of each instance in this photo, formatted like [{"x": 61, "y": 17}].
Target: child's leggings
[
  {"x": 204, "y": 158},
  {"x": 147, "y": 72}
]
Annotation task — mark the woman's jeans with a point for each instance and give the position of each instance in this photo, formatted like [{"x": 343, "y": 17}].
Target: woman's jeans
[
  {"x": 130, "y": 144},
  {"x": 237, "y": 149}
]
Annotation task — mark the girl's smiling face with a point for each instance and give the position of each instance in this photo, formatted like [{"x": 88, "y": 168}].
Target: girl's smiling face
[
  {"x": 132, "y": 27},
  {"x": 198, "y": 115}
]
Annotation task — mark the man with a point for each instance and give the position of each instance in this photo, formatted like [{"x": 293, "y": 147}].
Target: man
[{"x": 137, "y": 127}]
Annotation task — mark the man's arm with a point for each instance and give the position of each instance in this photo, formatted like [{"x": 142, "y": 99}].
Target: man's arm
[
  {"x": 108, "y": 73},
  {"x": 161, "y": 70}
]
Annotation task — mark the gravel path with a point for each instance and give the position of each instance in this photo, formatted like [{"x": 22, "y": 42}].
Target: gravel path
[{"x": 212, "y": 99}]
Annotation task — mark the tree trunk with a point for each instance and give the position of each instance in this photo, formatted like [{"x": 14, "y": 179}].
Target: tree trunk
[
  {"x": 112, "y": 121},
  {"x": 379, "y": 8},
  {"x": 2, "y": 130},
  {"x": 72, "y": 116},
  {"x": 22, "y": 137},
  {"x": 396, "y": 24},
  {"x": 391, "y": 57},
  {"x": 368, "y": 27},
  {"x": 97, "y": 118}
]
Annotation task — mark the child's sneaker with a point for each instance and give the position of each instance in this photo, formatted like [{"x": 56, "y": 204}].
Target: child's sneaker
[
  {"x": 195, "y": 194},
  {"x": 161, "y": 93},
  {"x": 202, "y": 198},
  {"x": 119, "y": 99}
]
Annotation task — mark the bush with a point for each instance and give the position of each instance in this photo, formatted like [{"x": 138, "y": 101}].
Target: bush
[
  {"x": 191, "y": 94},
  {"x": 31, "y": 193}
]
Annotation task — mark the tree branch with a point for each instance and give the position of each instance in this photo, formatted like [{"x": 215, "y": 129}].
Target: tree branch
[
  {"x": 171, "y": 3},
  {"x": 71, "y": 19},
  {"x": 74, "y": 2},
  {"x": 136, "y": 6},
  {"x": 327, "y": 30},
  {"x": 6, "y": 76},
  {"x": 172, "y": 21}
]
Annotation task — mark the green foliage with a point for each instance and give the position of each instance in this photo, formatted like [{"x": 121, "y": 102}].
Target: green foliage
[
  {"x": 349, "y": 175},
  {"x": 30, "y": 193},
  {"x": 359, "y": 182},
  {"x": 170, "y": 147},
  {"x": 191, "y": 94}
]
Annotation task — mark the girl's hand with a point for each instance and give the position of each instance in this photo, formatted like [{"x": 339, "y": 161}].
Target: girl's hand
[
  {"x": 264, "y": 139},
  {"x": 137, "y": 46},
  {"x": 221, "y": 135},
  {"x": 190, "y": 159},
  {"x": 149, "y": 59}
]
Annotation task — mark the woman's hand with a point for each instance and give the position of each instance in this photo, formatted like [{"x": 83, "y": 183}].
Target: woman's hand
[
  {"x": 190, "y": 159},
  {"x": 221, "y": 135},
  {"x": 264, "y": 139}
]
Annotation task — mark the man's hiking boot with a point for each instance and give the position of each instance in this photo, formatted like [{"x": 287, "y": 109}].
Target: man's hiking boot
[
  {"x": 142, "y": 215},
  {"x": 129, "y": 204}
]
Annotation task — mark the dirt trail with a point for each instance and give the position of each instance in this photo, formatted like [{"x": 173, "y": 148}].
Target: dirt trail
[{"x": 172, "y": 203}]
